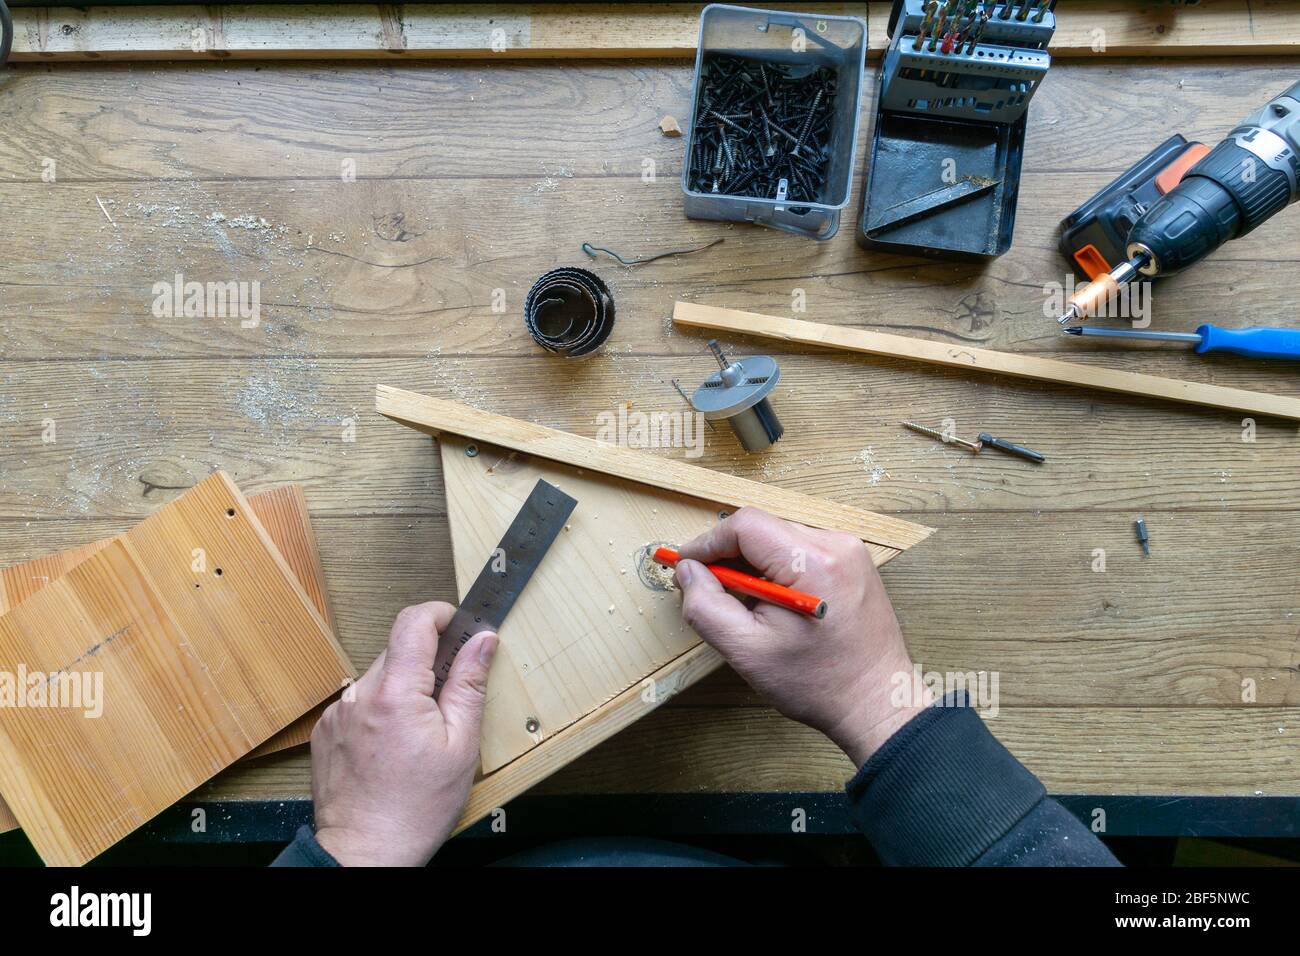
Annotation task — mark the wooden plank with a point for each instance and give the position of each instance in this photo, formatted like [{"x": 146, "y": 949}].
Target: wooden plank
[
  {"x": 331, "y": 286},
  {"x": 282, "y": 512},
  {"x": 1042, "y": 624},
  {"x": 169, "y": 149},
  {"x": 580, "y": 31},
  {"x": 716, "y": 319},
  {"x": 1246, "y": 750},
  {"x": 190, "y": 682},
  {"x": 435, "y": 415},
  {"x": 273, "y": 422},
  {"x": 477, "y": 31}
]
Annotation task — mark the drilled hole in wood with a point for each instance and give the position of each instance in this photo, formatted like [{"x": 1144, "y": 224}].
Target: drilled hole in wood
[
  {"x": 230, "y": 512},
  {"x": 218, "y": 572}
]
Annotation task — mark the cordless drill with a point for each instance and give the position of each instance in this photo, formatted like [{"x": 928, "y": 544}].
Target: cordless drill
[{"x": 1252, "y": 174}]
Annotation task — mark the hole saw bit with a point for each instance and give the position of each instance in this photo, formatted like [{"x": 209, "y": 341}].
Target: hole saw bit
[
  {"x": 738, "y": 393},
  {"x": 1246, "y": 179}
]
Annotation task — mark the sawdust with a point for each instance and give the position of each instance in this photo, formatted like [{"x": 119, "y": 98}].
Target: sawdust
[
  {"x": 867, "y": 459},
  {"x": 652, "y": 574},
  {"x": 285, "y": 401}
]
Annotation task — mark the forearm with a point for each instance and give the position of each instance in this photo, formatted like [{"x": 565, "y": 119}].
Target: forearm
[{"x": 944, "y": 792}]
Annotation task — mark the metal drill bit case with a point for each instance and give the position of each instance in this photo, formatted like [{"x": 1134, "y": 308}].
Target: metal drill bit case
[{"x": 946, "y": 151}]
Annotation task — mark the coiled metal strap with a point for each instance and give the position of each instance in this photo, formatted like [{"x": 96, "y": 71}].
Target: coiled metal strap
[{"x": 569, "y": 311}]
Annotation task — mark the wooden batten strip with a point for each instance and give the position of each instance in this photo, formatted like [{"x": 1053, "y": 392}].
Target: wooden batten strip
[
  {"x": 715, "y": 319},
  {"x": 1087, "y": 29},
  {"x": 435, "y": 415}
]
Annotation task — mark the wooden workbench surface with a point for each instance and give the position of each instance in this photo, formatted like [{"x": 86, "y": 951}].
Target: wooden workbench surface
[{"x": 474, "y": 177}]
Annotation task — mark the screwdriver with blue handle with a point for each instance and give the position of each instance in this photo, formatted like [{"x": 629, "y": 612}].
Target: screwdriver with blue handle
[{"x": 1257, "y": 342}]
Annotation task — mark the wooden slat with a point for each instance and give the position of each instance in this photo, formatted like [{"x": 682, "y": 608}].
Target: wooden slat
[
  {"x": 715, "y": 319},
  {"x": 332, "y": 285},
  {"x": 201, "y": 139},
  {"x": 1087, "y": 28},
  {"x": 435, "y": 415},
  {"x": 181, "y": 697}
]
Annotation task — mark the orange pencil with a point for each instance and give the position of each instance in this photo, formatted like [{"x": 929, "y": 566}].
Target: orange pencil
[{"x": 760, "y": 588}]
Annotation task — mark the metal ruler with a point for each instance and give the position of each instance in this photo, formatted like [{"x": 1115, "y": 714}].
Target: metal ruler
[{"x": 507, "y": 571}]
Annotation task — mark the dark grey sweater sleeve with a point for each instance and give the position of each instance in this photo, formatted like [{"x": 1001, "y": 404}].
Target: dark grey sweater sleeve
[
  {"x": 944, "y": 792},
  {"x": 304, "y": 851}
]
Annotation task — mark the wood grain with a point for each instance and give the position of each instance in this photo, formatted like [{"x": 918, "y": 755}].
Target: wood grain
[
  {"x": 434, "y": 415},
  {"x": 189, "y": 681},
  {"x": 476, "y": 176},
  {"x": 270, "y": 422},
  {"x": 632, "y": 30},
  {"x": 171, "y": 156},
  {"x": 1105, "y": 639},
  {"x": 282, "y": 512},
  {"x": 715, "y": 319}
]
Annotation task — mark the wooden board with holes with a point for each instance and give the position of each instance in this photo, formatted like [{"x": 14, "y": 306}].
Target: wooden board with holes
[
  {"x": 283, "y": 513},
  {"x": 173, "y": 618}
]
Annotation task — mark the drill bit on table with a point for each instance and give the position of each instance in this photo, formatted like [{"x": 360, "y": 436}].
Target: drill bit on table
[{"x": 975, "y": 447}]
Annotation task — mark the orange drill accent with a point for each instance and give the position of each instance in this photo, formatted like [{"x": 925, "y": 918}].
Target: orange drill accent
[
  {"x": 1092, "y": 262},
  {"x": 1173, "y": 174}
]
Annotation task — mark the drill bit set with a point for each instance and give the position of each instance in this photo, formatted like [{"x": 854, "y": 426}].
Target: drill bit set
[
  {"x": 762, "y": 130},
  {"x": 955, "y": 86},
  {"x": 956, "y": 27}
]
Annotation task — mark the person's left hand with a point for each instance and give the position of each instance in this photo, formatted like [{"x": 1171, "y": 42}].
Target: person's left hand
[{"x": 391, "y": 767}]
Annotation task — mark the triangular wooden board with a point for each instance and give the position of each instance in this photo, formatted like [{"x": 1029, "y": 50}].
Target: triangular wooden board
[
  {"x": 578, "y": 662},
  {"x": 189, "y": 681},
  {"x": 586, "y": 627}
]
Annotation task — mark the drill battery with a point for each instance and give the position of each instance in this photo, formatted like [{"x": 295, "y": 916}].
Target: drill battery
[{"x": 1095, "y": 236}]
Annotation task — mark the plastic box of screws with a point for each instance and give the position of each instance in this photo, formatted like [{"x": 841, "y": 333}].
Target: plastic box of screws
[{"x": 774, "y": 125}]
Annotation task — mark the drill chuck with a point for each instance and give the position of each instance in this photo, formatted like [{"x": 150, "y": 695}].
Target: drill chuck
[{"x": 1246, "y": 179}]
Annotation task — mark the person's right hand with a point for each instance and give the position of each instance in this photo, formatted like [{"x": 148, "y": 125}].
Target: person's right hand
[{"x": 837, "y": 674}]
